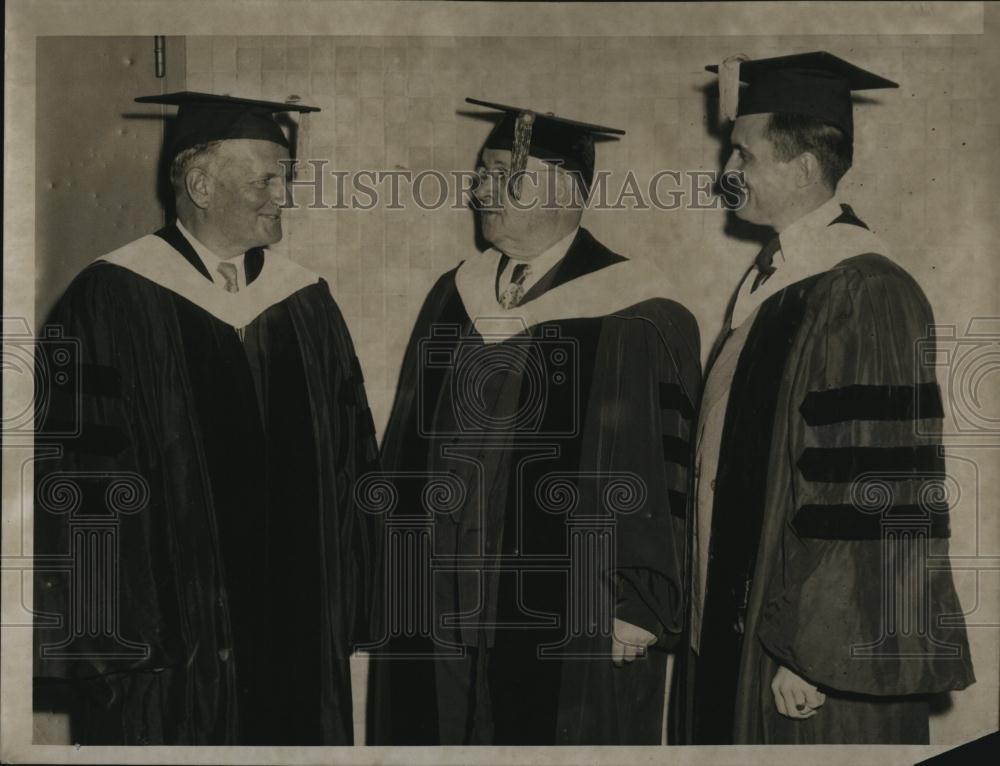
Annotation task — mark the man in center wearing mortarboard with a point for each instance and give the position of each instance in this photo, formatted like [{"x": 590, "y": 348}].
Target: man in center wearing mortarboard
[
  {"x": 551, "y": 384},
  {"x": 820, "y": 508},
  {"x": 222, "y": 379}
]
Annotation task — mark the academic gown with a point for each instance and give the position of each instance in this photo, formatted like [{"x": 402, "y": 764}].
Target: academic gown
[
  {"x": 216, "y": 478},
  {"x": 830, "y": 512},
  {"x": 544, "y": 453}
]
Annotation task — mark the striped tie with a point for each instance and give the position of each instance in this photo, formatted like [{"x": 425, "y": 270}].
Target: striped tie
[
  {"x": 228, "y": 272},
  {"x": 513, "y": 293}
]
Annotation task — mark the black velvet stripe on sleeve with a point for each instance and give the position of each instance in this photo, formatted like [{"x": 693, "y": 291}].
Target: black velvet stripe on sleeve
[
  {"x": 673, "y": 397},
  {"x": 678, "y": 503},
  {"x": 677, "y": 414},
  {"x": 677, "y": 450},
  {"x": 839, "y": 405}
]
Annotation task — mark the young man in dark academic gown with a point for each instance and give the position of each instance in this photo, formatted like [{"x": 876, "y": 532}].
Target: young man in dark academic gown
[
  {"x": 815, "y": 616},
  {"x": 538, "y": 446},
  {"x": 202, "y": 464}
]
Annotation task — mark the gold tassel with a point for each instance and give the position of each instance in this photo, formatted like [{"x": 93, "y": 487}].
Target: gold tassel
[{"x": 519, "y": 151}]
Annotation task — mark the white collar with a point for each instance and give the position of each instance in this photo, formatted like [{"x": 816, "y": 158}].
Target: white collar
[
  {"x": 596, "y": 294},
  {"x": 810, "y": 246},
  {"x": 152, "y": 258},
  {"x": 211, "y": 261},
  {"x": 798, "y": 241},
  {"x": 541, "y": 264}
]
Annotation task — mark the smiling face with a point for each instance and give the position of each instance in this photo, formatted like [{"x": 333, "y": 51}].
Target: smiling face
[
  {"x": 770, "y": 184},
  {"x": 544, "y": 214},
  {"x": 247, "y": 192}
]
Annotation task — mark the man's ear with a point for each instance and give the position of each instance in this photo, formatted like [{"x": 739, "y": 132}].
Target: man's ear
[
  {"x": 567, "y": 189},
  {"x": 808, "y": 170},
  {"x": 198, "y": 185}
]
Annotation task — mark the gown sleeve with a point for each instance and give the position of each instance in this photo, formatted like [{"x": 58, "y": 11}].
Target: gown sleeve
[
  {"x": 653, "y": 371},
  {"x": 355, "y": 461},
  {"x": 95, "y": 484},
  {"x": 863, "y": 599}
]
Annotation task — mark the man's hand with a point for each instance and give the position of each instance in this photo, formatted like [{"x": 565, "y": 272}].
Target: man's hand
[
  {"x": 629, "y": 641},
  {"x": 794, "y": 696}
]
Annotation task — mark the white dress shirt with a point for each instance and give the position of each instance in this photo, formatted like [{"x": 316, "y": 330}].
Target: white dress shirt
[
  {"x": 540, "y": 264},
  {"x": 803, "y": 254},
  {"x": 212, "y": 261}
]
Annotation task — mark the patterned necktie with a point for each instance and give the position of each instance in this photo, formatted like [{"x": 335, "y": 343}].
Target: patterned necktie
[
  {"x": 512, "y": 294},
  {"x": 764, "y": 263},
  {"x": 228, "y": 272}
]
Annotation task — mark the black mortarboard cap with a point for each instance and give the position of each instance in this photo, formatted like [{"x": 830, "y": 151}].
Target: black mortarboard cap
[
  {"x": 205, "y": 117},
  {"x": 547, "y": 137},
  {"x": 815, "y": 85}
]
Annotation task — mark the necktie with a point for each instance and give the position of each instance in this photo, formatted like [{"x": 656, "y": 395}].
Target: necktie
[
  {"x": 764, "y": 263},
  {"x": 512, "y": 294},
  {"x": 228, "y": 272}
]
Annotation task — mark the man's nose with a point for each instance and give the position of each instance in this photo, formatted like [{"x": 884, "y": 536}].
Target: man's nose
[
  {"x": 482, "y": 190},
  {"x": 488, "y": 190}
]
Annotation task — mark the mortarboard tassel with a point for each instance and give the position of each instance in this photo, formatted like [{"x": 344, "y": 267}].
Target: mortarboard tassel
[
  {"x": 302, "y": 147},
  {"x": 729, "y": 86},
  {"x": 519, "y": 151}
]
